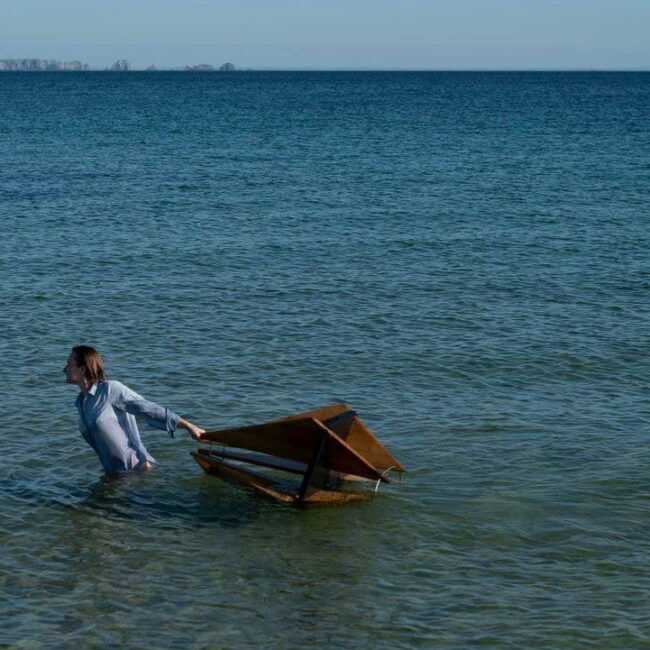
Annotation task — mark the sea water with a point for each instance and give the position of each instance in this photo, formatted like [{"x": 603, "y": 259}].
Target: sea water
[{"x": 463, "y": 258}]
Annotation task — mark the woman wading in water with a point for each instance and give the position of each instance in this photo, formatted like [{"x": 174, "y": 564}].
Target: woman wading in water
[{"x": 107, "y": 411}]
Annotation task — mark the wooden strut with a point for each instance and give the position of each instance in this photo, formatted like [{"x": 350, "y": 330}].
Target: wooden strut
[
  {"x": 262, "y": 460},
  {"x": 304, "y": 486}
]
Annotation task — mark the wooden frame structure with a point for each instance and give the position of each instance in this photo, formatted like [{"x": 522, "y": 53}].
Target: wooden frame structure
[{"x": 328, "y": 448}]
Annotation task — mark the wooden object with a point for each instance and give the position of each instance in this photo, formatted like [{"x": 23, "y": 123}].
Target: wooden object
[{"x": 327, "y": 448}]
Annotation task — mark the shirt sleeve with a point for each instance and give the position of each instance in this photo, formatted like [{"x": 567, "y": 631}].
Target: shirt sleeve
[{"x": 159, "y": 417}]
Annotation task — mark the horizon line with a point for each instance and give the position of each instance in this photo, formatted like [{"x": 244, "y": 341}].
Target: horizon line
[{"x": 253, "y": 69}]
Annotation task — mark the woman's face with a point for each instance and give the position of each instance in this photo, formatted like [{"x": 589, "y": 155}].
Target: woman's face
[{"x": 73, "y": 373}]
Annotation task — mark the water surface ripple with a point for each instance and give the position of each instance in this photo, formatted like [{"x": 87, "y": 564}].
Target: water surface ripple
[{"x": 463, "y": 258}]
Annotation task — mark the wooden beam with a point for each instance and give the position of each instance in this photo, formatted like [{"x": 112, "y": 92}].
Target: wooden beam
[
  {"x": 309, "y": 474},
  {"x": 261, "y": 460},
  {"x": 261, "y": 484}
]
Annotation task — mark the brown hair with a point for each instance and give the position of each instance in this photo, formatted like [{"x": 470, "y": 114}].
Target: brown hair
[{"x": 88, "y": 358}]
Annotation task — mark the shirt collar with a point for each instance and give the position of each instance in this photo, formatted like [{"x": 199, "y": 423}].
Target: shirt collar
[{"x": 92, "y": 390}]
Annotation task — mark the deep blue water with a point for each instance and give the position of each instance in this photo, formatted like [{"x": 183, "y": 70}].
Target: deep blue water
[{"x": 461, "y": 257}]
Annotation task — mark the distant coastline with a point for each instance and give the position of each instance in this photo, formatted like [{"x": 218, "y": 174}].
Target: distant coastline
[
  {"x": 121, "y": 65},
  {"x": 40, "y": 65}
]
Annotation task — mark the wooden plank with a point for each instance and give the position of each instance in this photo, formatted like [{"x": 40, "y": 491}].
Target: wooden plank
[
  {"x": 262, "y": 460},
  {"x": 309, "y": 474},
  {"x": 295, "y": 440},
  {"x": 321, "y": 413},
  {"x": 344, "y": 459},
  {"x": 362, "y": 440},
  {"x": 322, "y": 498},
  {"x": 261, "y": 484}
]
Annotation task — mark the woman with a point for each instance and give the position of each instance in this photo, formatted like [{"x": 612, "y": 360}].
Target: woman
[{"x": 107, "y": 411}]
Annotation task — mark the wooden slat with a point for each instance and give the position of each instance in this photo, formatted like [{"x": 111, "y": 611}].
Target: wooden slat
[
  {"x": 294, "y": 439},
  {"x": 344, "y": 459},
  {"x": 323, "y": 498},
  {"x": 262, "y": 460},
  {"x": 315, "y": 468},
  {"x": 239, "y": 476},
  {"x": 362, "y": 440},
  {"x": 321, "y": 413}
]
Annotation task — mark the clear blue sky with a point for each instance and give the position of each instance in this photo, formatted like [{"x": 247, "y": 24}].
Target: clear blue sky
[{"x": 333, "y": 34}]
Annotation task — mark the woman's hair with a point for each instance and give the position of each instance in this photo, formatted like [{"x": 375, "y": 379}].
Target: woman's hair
[{"x": 90, "y": 359}]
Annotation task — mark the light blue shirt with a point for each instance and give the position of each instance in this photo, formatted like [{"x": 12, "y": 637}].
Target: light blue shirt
[{"x": 107, "y": 422}]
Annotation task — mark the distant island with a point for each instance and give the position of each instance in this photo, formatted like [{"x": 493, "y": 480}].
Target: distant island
[
  {"x": 121, "y": 65},
  {"x": 40, "y": 65},
  {"x": 206, "y": 67},
  {"x": 201, "y": 67}
]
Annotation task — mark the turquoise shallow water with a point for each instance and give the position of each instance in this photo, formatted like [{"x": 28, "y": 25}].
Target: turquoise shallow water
[{"x": 463, "y": 258}]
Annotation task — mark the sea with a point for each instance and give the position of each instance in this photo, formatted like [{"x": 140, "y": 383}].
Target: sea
[{"x": 461, "y": 257}]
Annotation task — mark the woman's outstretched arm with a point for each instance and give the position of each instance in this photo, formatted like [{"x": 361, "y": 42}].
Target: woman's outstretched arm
[{"x": 155, "y": 415}]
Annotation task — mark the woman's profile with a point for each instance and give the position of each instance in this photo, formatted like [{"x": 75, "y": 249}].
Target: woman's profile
[{"x": 107, "y": 411}]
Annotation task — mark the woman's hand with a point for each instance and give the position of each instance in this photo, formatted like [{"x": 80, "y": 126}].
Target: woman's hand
[{"x": 195, "y": 431}]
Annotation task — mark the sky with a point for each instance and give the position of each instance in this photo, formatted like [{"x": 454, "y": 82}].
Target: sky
[{"x": 333, "y": 34}]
